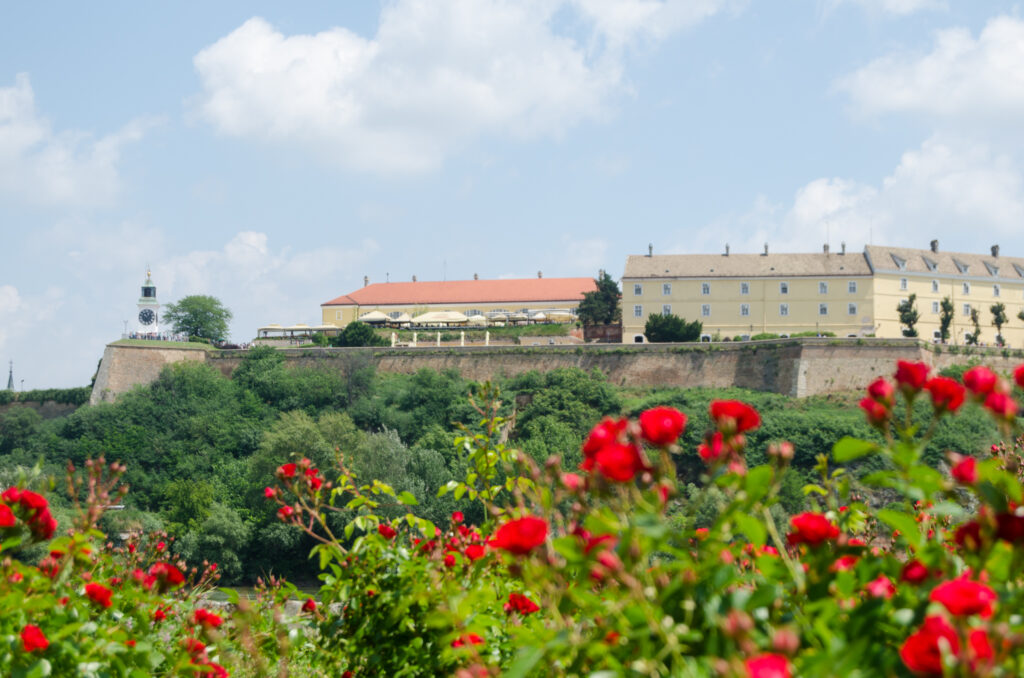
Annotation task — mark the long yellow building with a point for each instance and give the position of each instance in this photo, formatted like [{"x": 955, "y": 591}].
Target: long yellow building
[{"x": 847, "y": 294}]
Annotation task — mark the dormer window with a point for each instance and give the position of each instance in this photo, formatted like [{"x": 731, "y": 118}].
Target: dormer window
[
  {"x": 992, "y": 269},
  {"x": 932, "y": 265},
  {"x": 962, "y": 267},
  {"x": 1020, "y": 271},
  {"x": 900, "y": 262}
]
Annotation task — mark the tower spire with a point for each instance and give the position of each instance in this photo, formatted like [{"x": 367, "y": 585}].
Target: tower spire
[{"x": 10, "y": 376}]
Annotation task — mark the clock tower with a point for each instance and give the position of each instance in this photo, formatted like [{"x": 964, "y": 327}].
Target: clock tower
[{"x": 149, "y": 308}]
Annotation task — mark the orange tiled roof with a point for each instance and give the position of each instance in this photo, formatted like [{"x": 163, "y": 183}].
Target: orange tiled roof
[{"x": 466, "y": 292}]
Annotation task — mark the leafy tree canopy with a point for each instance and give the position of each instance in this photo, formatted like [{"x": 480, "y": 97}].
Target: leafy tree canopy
[
  {"x": 358, "y": 334},
  {"x": 199, "y": 315},
  {"x": 908, "y": 315},
  {"x": 669, "y": 327},
  {"x": 601, "y": 307}
]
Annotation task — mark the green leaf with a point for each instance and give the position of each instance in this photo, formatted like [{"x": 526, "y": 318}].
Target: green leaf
[
  {"x": 752, "y": 527},
  {"x": 525, "y": 662},
  {"x": 40, "y": 669},
  {"x": 407, "y": 498},
  {"x": 847, "y": 449},
  {"x": 904, "y": 522},
  {"x": 758, "y": 482}
]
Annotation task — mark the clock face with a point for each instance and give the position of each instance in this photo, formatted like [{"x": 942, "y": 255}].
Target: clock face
[{"x": 147, "y": 317}]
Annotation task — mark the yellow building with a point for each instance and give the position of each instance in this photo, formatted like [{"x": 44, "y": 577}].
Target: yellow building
[
  {"x": 748, "y": 294},
  {"x": 518, "y": 299},
  {"x": 847, "y": 294}
]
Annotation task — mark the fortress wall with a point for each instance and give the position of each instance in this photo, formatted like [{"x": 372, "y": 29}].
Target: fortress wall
[{"x": 795, "y": 367}]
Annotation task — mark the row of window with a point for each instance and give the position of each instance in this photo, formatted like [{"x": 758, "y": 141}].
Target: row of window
[
  {"x": 705, "y": 288},
  {"x": 965, "y": 311},
  {"x": 705, "y": 310},
  {"x": 966, "y": 287}
]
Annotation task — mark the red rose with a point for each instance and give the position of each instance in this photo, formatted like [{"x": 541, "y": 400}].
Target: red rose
[
  {"x": 32, "y": 501},
  {"x": 520, "y": 536},
  {"x": 449, "y": 560},
  {"x": 475, "y": 551},
  {"x": 159, "y": 615},
  {"x": 947, "y": 394},
  {"x": 269, "y": 492},
  {"x": 881, "y": 587},
  {"x": 517, "y": 602},
  {"x": 877, "y": 413},
  {"x": 386, "y": 531},
  {"x": 662, "y": 425},
  {"x": 911, "y": 377},
  {"x": 914, "y": 572},
  {"x": 467, "y": 639},
  {"x": 7, "y": 518},
  {"x": 1018, "y": 375},
  {"x": 882, "y": 391},
  {"x": 32, "y": 638},
  {"x": 980, "y": 380},
  {"x": 457, "y": 517},
  {"x": 843, "y": 564},
  {"x": 1010, "y": 527},
  {"x": 734, "y": 415},
  {"x": 286, "y": 471},
  {"x": 605, "y": 433},
  {"x": 979, "y": 648},
  {"x": 572, "y": 481},
  {"x": 285, "y": 512},
  {"x": 309, "y": 605},
  {"x": 968, "y": 536},
  {"x": 965, "y": 470},
  {"x": 767, "y": 666},
  {"x": 196, "y": 648},
  {"x": 963, "y": 597},
  {"x": 812, "y": 529},
  {"x": 1001, "y": 405},
  {"x": 713, "y": 449},
  {"x": 619, "y": 462},
  {"x": 167, "y": 575},
  {"x": 207, "y": 618},
  {"x": 99, "y": 594},
  {"x": 922, "y": 653}
]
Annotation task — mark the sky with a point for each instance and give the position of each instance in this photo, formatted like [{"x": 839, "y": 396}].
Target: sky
[{"x": 273, "y": 154}]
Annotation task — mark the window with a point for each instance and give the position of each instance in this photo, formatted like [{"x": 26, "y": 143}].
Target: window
[
  {"x": 851, "y": 287},
  {"x": 638, "y": 311},
  {"x": 705, "y": 288},
  {"x": 783, "y": 288},
  {"x": 935, "y": 286},
  {"x": 395, "y": 315},
  {"x": 705, "y": 310},
  {"x": 783, "y": 309},
  {"x": 744, "y": 288},
  {"x": 995, "y": 290},
  {"x": 967, "y": 309},
  {"x": 338, "y": 315},
  {"x": 666, "y": 309},
  {"x": 822, "y": 287},
  {"x": 666, "y": 289},
  {"x": 851, "y": 309},
  {"x": 903, "y": 283},
  {"x": 638, "y": 290},
  {"x": 935, "y": 307},
  {"x": 744, "y": 309},
  {"x": 967, "y": 288},
  {"x": 822, "y": 309}
]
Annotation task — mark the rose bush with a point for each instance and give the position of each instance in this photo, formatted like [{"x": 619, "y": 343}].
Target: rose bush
[{"x": 601, "y": 570}]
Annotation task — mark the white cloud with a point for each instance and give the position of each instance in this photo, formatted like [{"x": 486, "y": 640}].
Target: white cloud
[
  {"x": 897, "y": 7},
  {"x": 42, "y": 165},
  {"x": 952, "y": 189},
  {"x": 437, "y": 75},
  {"x": 963, "y": 78}
]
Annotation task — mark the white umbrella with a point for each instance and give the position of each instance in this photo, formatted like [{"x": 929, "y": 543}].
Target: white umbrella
[
  {"x": 374, "y": 317},
  {"x": 477, "y": 320}
]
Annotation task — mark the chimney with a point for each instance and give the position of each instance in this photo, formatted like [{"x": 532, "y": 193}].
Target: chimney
[
  {"x": 765, "y": 250},
  {"x": 414, "y": 278},
  {"x": 726, "y": 249},
  {"x": 995, "y": 251},
  {"x": 366, "y": 280},
  {"x": 935, "y": 246},
  {"x": 825, "y": 249},
  {"x": 842, "y": 247},
  {"x": 476, "y": 276},
  {"x": 539, "y": 274},
  {"x": 650, "y": 250}
]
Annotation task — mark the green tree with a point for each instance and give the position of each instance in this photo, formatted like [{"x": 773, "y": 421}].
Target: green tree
[
  {"x": 601, "y": 307},
  {"x": 199, "y": 315},
  {"x": 908, "y": 315},
  {"x": 668, "y": 327},
  {"x": 358, "y": 334},
  {"x": 998, "y": 320},
  {"x": 946, "y": 318},
  {"x": 972, "y": 339}
]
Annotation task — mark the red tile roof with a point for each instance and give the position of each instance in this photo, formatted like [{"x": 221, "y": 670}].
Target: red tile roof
[{"x": 467, "y": 292}]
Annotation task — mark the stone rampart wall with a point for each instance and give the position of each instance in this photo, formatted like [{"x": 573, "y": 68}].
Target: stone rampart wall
[{"x": 796, "y": 367}]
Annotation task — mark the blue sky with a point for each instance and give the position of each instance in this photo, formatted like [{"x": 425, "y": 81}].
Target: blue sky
[{"x": 272, "y": 154}]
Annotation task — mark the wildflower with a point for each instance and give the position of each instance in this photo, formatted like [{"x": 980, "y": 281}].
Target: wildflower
[
  {"x": 881, "y": 587},
  {"x": 7, "y": 518},
  {"x": 980, "y": 380},
  {"x": 947, "y": 394},
  {"x": 734, "y": 415},
  {"x": 386, "y": 531},
  {"x": 286, "y": 471},
  {"x": 712, "y": 449},
  {"x": 914, "y": 572},
  {"x": 963, "y": 597},
  {"x": 662, "y": 425},
  {"x": 877, "y": 413},
  {"x": 467, "y": 639},
  {"x": 922, "y": 651},
  {"x": 520, "y": 536},
  {"x": 812, "y": 529},
  {"x": 207, "y": 619},
  {"x": 618, "y": 462},
  {"x": 99, "y": 594},
  {"x": 911, "y": 377},
  {"x": 964, "y": 470},
  {"x": 33, "y": 638},
  {"x": 517, "y": 602},
  {"x": 309, "y": 605},
  {"x": 1001, "y": 405},
  {"x": 881, "y": 391}
]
